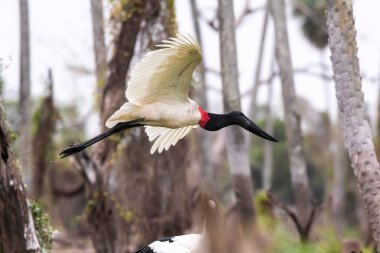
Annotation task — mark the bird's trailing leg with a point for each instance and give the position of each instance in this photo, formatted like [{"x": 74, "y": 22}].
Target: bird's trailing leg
[{"x": 116, "y": 129}]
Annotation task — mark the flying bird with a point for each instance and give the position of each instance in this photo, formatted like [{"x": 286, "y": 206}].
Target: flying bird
[{"x": 157, "y": 95}]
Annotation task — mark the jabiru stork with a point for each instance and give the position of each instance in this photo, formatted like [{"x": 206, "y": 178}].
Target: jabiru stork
[
  {"x": 211, "y": 216},
  {"x": 179, "y": 244},
  {"x": 157, "y": 94}
]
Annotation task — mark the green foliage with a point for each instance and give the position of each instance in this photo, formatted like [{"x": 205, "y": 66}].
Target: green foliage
[
  {"x": 123, "y": 10},
  {"x": 11, "y": 110},
  {"x": 42, "y": 225},
  {"x": 282, "y": 239},
  {"x": 264, "y": 213},
  {"x": 312, "y": 13},
  {"x": 281, "y": 177},
  {"x": 37, "y": 116},
  {"x": 281, "y": 184},
  {"x": 171, "y": 25}
]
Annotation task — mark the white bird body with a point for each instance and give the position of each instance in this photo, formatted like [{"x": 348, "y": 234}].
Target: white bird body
[
  {"x": 169, "y": 114},
  {"x": 190, "y": 243}
]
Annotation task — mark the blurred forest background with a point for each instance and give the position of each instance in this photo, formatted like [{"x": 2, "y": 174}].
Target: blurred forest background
[{"x": 298, "y": 195}]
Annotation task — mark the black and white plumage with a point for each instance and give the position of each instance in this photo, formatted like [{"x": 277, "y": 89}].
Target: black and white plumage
[
  {"x": 176, "y": 244},
  {"x": 157, "y": 94}
]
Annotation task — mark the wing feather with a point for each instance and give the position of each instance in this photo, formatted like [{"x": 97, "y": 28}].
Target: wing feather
[
  {"x": 179, "y": 136},
  {"x": 165, "y": 137},
  {"x": 158, "y": 142},
  {"x": 164, "y": 73}
]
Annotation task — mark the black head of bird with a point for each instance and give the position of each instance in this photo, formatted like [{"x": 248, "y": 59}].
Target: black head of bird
[{"x": 214, "y": 122}]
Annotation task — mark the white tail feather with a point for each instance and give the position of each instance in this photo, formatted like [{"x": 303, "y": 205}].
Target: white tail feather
[{"x": 126, "y": 112}]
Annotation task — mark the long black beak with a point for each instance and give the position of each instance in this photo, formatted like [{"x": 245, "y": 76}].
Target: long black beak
[{"x": 248, "y": 125}]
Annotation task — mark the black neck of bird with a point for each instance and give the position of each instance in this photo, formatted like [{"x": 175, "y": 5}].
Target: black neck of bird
[
  {"x": 218, "y": 121},
  {"x": 215, "y": 122}
]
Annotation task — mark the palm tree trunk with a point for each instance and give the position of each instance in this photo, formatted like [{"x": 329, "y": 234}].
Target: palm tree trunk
[
  {"x": 236, "y": 142},
  {"x": 352, "y": 113},
  {"x": 300, "y": 182},
  {"x": 24, "y": 95}
]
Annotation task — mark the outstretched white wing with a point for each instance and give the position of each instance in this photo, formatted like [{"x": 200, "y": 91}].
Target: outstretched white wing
[
  {"x": 166, "y": 137},
  {"x": 164, "y": 74}
]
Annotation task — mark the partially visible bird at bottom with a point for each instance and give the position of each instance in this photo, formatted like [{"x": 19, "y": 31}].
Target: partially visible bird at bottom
[
  {"x": 190, "y": 243},
  {"x": 157, "y": 94},
  {"x": 210, "y": 220}
]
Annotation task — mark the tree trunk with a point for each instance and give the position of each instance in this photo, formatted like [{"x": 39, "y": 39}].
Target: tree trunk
[
  {"x": 352, "y": 114},
  {"x": 236, "y": 142},
  {"x": 119, "y": 219},
  {"x": 24, "y": 104},
  {"x": 103, "y": 215},
  {"x": 162, "y": 207},
  {"x": 42, "y": 139},
  {"x": 113, "y": 95},
  {"x": 208, "y": 171},
  {"x": 99, "y": 43},
  {"x": 203, "y": 91},
  {"x": 300, "y": 182},
  {"x": 17, "y": 232},
  {"x": 256, "y": 83},
  {"x": 268, "y": 145}
]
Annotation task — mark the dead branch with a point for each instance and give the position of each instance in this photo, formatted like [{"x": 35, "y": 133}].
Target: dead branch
[
  {"x": 303, "y": 230},
  {"x": 214, "y": 24},
  {"x": 246, "y": 12}
]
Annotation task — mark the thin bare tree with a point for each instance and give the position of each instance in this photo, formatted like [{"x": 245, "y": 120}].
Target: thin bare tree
[
  {"x": 352, "y": 112},
  {"x": 99, "y": 42},
  {"x": 256, "y": 82},
  {"x": 24, "y": 103},
  {"x": 300, "y": 183},
  {"x": 17, "y": 231},
  {"x": 208, "y": 171},
  {"x": 202, "y": 72},
  {"x": 268, "y": 145},
  {"x": 236, "y": 142}
]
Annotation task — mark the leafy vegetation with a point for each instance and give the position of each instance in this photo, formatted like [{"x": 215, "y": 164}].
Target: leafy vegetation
[{"x": 42, "y": 225}]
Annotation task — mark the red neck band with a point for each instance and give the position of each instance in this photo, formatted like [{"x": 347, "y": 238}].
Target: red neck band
[{"x": 204, "y": 117}]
